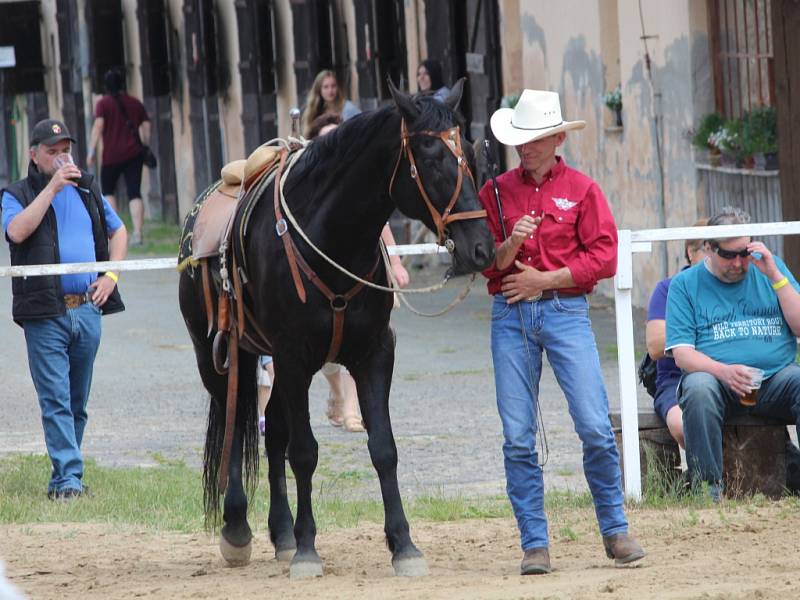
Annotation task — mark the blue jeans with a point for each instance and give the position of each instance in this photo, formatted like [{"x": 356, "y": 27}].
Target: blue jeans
[
  {"x": 706, "y": 402},
  {"x": 560, "y": 327},
  {"x": 61, "y": 354}
]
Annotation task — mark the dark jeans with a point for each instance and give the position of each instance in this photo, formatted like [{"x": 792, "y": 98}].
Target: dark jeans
[{"x": 706, "y": 402}]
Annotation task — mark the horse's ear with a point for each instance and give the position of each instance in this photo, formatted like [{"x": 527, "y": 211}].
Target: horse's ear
[
  {"x": 403, "y": 101},
  {"x": 454, "y": 97}
]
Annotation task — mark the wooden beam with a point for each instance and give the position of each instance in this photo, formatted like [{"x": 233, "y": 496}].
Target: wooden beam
[{"x": 786, "y": 48}]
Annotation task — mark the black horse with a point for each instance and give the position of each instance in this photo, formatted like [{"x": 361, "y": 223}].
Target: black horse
[{"x": 341, "y": 191}]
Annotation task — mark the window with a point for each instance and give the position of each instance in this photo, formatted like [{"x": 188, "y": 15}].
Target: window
[{"x": 741, "y": 37}]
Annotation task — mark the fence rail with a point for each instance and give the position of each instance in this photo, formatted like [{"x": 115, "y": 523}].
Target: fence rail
[{"x": 150, "y": 264}]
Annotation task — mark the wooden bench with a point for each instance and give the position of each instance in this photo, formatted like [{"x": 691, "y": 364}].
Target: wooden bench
[{"x": 753, "y": 452}]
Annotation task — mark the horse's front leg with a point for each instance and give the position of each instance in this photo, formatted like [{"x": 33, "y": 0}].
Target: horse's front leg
[
  {"x": 373, "y": 378},
  {"x": 281, "y": 524},
  {"x": 293, "y": 384}
]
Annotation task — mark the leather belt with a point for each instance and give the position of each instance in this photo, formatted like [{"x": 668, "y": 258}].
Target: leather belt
[
  {"x": 75, "y": 300},
  {"x": 550, "y": 294}
]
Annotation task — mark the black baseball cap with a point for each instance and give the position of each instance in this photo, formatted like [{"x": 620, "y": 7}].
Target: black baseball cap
[{"x": 50, "y": 131}]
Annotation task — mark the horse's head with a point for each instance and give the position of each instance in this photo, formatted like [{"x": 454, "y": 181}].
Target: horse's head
[{"x": 432, "y": 181}]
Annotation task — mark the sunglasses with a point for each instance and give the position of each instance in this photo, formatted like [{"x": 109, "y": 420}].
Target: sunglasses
[{"x": 731, "y": 254}]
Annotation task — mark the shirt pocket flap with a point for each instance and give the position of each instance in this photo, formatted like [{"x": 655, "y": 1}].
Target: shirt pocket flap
[{"x": 566, "y": 217}]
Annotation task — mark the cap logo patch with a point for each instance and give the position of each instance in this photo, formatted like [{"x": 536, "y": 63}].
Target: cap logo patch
[{"x": 56, "y": 128}]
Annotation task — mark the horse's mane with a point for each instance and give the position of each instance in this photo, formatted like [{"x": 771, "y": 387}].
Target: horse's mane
[{"x": 338, "y": 148}]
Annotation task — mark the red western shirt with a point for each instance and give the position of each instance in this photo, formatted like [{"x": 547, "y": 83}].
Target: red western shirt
[{"x": 577, "y": 229}]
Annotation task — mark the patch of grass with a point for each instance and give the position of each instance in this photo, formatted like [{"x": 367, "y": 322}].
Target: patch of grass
[
  {"x": 567, "y": 533},
  {"x": 447, "y": 350},
  {"x": 160, "y": 239},
  {"x": 565, "y": 472}
]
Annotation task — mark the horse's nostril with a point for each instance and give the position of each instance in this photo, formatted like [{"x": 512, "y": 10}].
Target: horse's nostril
[{"x": 481, "y": 256}]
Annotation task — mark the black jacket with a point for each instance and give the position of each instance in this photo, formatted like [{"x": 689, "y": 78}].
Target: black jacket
[{"x": 40, "y": 297}]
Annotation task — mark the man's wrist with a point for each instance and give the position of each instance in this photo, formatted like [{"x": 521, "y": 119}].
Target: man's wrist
[{"x": 112, "y": 276}]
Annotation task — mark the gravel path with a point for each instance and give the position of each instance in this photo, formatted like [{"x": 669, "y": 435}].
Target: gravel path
[{"x": 147, "y": 401}]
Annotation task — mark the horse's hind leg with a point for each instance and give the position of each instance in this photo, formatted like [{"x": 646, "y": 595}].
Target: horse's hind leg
[
  {"x": 373, "y": 378},
  {"x": 281, "y": 524}
]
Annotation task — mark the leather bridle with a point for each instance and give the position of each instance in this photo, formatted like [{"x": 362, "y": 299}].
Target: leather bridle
[{"x": 451, "y": 138}]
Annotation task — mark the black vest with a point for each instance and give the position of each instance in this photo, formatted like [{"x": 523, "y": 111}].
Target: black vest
[{"x": 40, "y": 297}]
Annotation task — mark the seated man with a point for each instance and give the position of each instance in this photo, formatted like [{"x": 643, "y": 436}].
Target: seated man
[
  {"x": 668, "y": 374},
  {"x": 725, "y": 318}
]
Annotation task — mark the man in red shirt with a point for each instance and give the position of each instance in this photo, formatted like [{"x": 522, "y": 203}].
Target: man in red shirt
[{"x": 556, "y": 238}]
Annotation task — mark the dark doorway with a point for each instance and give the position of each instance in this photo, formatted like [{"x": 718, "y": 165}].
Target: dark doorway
[
  {"x": 464, "y": 37},
  {"x": 381, "y": 50},
  {"x": 154, "y": 32},
  {"x": 203, "y": 75},
  {"x": 106, "y": 49},
  {"x": 317, "y": 44},
  {"x": 256, "y": 22},
  {"x": 19, "y": 29},
  {"x": 70, "y": 67}
]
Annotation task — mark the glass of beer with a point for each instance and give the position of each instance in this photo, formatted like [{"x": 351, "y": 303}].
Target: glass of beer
[
  {"x": 756, "y": 377},
  {"x": 63, "y": 159}
]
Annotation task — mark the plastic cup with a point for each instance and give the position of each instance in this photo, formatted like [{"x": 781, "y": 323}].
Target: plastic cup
[
  {"x": 62, "y": 160},
  {"x": 756, "y": 377}
]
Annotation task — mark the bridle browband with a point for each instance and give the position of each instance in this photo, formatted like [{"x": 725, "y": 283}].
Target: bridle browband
[{"x": 451, "y": 138}]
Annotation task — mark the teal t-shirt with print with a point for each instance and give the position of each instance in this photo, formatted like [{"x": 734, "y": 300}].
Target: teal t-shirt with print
[{"x": 733, "y": 323}]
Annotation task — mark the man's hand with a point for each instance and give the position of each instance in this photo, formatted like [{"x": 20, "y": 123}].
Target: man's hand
[
  {"x": 526, "y": 283},
  {"x": 737, "y": 377},
  {"x": 101, "y": 289},
  {"x": 523, "y": 229},
  {"x": 762, "y": 258},
  {"x": 64, "y": 176}
]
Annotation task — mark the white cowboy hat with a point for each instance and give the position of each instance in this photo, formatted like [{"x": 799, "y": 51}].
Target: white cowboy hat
[{"x": 536, "y": 115}]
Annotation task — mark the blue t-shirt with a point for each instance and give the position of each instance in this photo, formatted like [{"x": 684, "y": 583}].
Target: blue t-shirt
[
  {"x": 75, "y": 239},
  {"x": 666, "y": 369},
  {"x": 733, "y": 323}
]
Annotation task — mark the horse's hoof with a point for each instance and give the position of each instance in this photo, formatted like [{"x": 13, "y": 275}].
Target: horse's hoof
[
  {"x": 412, "y": 566},
  {"x": 285, "y": 554},
  {"x": 305, "y": 568},
  {"x": 235, "y": 556}
]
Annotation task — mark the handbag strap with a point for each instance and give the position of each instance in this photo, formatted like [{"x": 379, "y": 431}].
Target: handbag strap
[{"x": 134, "y": 130}]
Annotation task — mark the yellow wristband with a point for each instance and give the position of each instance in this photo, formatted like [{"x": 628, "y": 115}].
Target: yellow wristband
[
  {"x": 112, "y": 276},
  {"x": 779, "y": 284}
]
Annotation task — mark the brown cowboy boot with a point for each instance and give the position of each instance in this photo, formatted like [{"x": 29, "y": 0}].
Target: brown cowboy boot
[
  {"x": 623, "y": 549},
  {"x": 535, "y": 562}
]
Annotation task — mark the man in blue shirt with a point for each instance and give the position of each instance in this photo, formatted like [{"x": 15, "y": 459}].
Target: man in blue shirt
[
  {"x": 58, "y": 215},
  {"x": 736, "y": 311}
]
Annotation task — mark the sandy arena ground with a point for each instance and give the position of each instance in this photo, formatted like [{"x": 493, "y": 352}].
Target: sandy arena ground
[{"x": 732, "y": 553}]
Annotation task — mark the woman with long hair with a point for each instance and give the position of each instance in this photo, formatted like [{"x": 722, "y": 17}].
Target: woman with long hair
[
  {"x": 325, "y": 96},
  {"x": 431, "y": 81}
]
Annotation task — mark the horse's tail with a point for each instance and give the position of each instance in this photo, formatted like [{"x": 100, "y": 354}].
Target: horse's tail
[{"x": 246, "y": 422}]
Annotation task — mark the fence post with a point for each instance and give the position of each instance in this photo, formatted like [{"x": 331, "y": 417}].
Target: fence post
[{"x": 626, "y": 361}]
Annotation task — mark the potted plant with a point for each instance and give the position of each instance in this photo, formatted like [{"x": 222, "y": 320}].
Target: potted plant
[
  {"x": 702, "y": 137},
  {"x": 510, "y": 100},
  {"x": 760, "y": 129},
  {"x": 613, "y": 100},
  {"x": 731, "y": 143}
]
